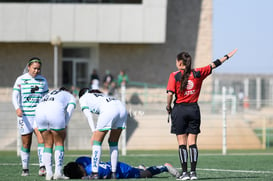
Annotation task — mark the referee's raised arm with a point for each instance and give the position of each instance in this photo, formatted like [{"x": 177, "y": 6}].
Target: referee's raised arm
[{"x": 218, "y": 62}]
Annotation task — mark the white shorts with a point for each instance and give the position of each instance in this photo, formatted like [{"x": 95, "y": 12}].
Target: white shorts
[
  {"x": 50, "y": 116},
  {"x": 26, "y": 124},
  {"x": 113, "y": 115}
]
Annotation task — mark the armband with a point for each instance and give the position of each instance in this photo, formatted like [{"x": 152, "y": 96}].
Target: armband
[
  {"x": 226, "y": 56},
  {"x": 217, "y": 63}
]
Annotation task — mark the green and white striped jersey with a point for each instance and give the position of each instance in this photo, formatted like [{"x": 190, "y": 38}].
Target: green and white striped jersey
[{"x": 27, "y": 92}]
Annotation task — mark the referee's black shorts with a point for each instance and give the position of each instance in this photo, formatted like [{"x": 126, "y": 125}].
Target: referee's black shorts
[{"x": 185, "y": 119}]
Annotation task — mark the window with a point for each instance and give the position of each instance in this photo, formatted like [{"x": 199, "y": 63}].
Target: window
[{"x": 75, "y": 67}]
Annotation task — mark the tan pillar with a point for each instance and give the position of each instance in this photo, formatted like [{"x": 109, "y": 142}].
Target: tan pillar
[{"x": 203, "y": 54}]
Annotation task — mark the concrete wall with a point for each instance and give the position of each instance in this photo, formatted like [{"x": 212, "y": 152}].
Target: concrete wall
[
  {"x": 153, "y": 63},
  {"x": 72, "y": 22},
  {"x": 204, "y": 47},
  {"x": 14, "y": 57},
  {"x": 150, "y": 63}
]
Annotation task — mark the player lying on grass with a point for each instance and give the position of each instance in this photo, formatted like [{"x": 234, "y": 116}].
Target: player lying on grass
[{"x": 81, "y": 169}]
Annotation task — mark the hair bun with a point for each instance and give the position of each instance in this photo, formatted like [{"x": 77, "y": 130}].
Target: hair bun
[{"x": 187, "y": 55}]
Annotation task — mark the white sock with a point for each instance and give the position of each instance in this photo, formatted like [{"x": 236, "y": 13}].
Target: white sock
[
  {"x": 59, "y": 158},
  {"x": 96, "y": 156},
  {"x": 47, "y": 158},
  {"x": 40, "y": 154},
  {"x": 25, "y": 154},
  {"x": 113, "y": 155}
]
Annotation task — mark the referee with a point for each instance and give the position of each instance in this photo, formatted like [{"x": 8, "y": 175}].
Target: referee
[{"x": 186, "y": 84}]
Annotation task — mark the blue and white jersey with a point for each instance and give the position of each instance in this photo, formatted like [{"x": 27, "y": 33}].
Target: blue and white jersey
[
  {"x": 123, "y": 170},
  {"x": 104, "y": 168},
  {"x": 30, "y": 90}
]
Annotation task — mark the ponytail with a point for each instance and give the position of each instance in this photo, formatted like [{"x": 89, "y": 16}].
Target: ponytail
[{"x": 186, "y": 58}]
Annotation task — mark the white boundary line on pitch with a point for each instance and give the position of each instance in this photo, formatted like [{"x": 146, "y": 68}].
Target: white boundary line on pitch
[
  {"x": 16, "y": 164},
  {"x": 204, "y": 169},
  {"x": 239, "y": 171},
  {"x": 174, "y": 155}
]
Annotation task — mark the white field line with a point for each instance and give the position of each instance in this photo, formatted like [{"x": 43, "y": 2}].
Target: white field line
[
  {"x": 204, "y": 169},
  {"x": 15, "y": 164},
  {"x": 175, "y": 155},
  {"x": 238, "y": 171}
]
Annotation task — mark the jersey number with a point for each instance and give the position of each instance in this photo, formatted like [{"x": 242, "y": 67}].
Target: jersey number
[{"x": 108, "y": 99}]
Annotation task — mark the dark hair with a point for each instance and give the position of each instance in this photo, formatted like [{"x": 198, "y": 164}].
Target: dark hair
[
  {"x": 34, "y": 59},
  {"x": 94, "y": 91},
  {"x": 186, "y": 58},
  {"x": 73, "y": 170},
  {"x": 83, "y": 91},
  {"x": 64, "y": 89}
]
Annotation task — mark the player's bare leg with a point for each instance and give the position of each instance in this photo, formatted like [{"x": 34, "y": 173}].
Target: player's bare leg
[
  {"x": 40, "y": 151},
  {"x": 193, "y": 155},
  {"x": 59, "y": 137},
  {"x": 98, "y": 137},
  {"x": 25, "y": 153},
  {"x": 47, "y": 155},
  {"x": 183, "y": 155},
  {"x": 113, "y": 145}
]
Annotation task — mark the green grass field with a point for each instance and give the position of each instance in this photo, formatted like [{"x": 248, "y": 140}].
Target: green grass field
[{"x": 256, "y": 165}]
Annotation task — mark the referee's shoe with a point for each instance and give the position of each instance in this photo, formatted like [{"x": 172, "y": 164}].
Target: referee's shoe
[
  {"x": 193, "y": 175},
  {"x": 184, "y": 176}
]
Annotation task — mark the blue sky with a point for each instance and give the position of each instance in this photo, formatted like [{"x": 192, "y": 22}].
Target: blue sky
[{"x": 248, "y": 26}]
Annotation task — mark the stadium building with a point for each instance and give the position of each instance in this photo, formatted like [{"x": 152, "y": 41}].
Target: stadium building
[{"x": 74, "y": 37}]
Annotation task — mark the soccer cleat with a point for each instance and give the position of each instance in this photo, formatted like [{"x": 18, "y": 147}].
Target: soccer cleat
[
  {"x": 93, "y": 176},
  {"x": 184, "y": 176},
  {"x": 193, "y": 175},
  {"x": 60, "y": 177},
  {"x": 25, "y": 172},
  {"x": 49, "y": 176},
  {"x": 172, "y": 170},
  {"x": 113, "y": 175},
  {"x": 42, "y": 171}
]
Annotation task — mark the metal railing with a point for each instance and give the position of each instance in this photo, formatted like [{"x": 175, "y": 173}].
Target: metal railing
[{"x": 247, "y": 127}]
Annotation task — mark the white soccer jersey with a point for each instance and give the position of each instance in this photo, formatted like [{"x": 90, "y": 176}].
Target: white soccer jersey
[
  {"x": 94, "y": 101},
  {"x": 55, "y": 110},
  {"x": 27, "y": 92},
  {"x": 112, "y": 113}
]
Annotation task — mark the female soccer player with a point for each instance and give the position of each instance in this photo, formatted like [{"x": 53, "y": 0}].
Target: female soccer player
[
  {"x": 28, "y": 89},
  {"x": 186, "y": 84},
  {"x": 81, "y": 168},
  {"x": 52, "y": 115},
  {"x": 112, "y": 117}
]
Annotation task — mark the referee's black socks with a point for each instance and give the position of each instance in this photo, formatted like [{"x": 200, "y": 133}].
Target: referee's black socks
[
  {"x": 193, "y": 156},
  {"x": 183, "y": 156}
]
